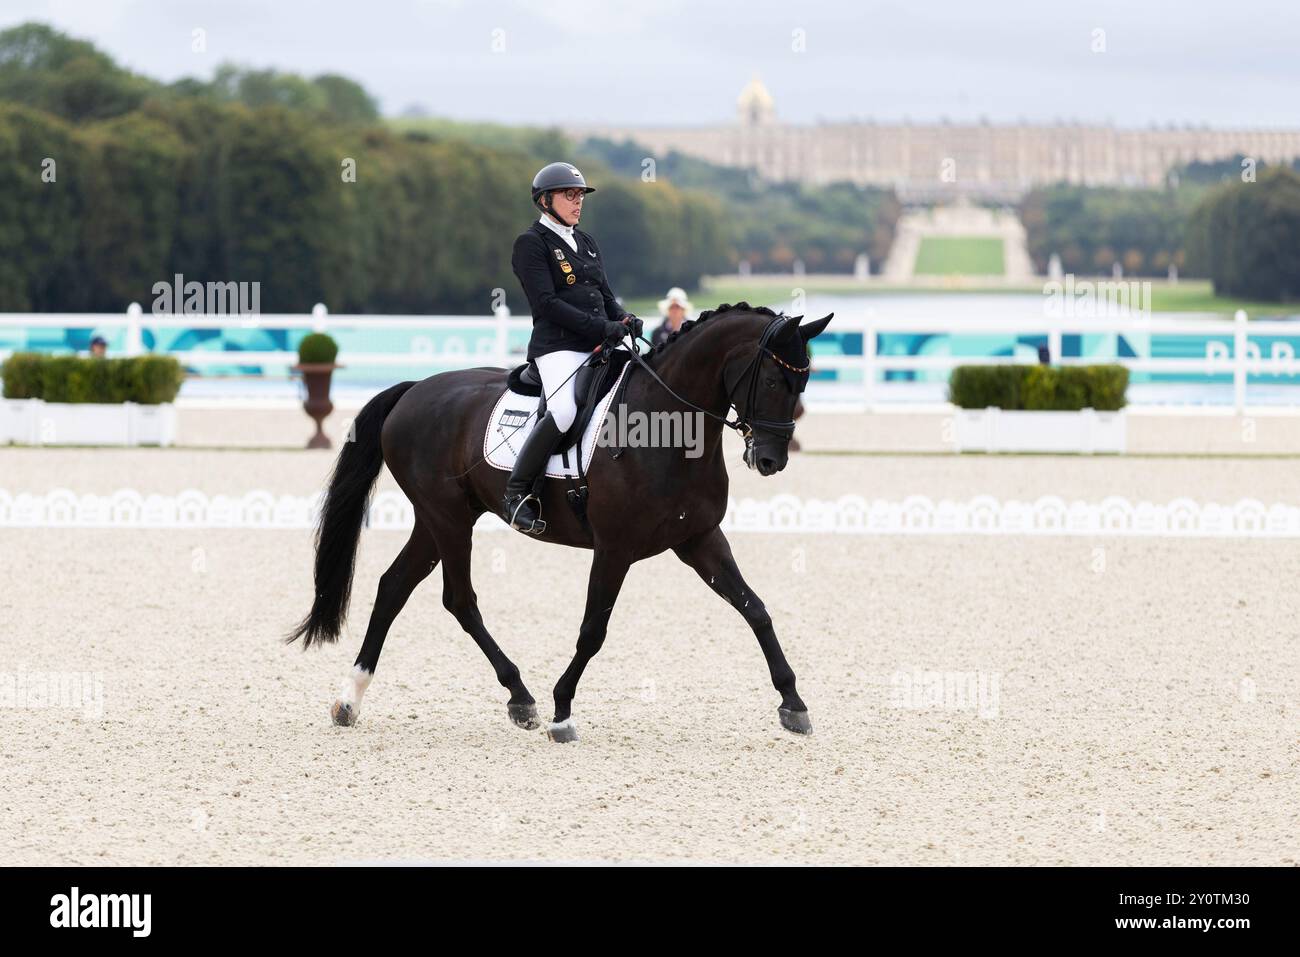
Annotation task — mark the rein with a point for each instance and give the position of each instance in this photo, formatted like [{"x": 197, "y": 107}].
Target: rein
[{"x": 742, "y": 424}]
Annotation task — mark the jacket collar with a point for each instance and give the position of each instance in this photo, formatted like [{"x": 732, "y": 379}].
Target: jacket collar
[
  {"x": 550, "y": 231},
  {"x": 553, "y": 226}
]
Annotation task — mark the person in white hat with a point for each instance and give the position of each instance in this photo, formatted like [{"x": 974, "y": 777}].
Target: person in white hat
[{"x": 675, "y": 308}]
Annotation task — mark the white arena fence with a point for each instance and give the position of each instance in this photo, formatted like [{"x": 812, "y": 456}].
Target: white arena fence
[
  {"x": 1241, "y": 352},
  {"x": 789, "y": 514}
]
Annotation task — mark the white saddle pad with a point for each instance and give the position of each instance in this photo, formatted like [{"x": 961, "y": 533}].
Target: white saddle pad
[{"x": 506, "y": 435}]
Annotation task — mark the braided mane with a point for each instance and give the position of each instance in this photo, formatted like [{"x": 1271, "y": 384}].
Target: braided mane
[{"x": 708, "y": 314}]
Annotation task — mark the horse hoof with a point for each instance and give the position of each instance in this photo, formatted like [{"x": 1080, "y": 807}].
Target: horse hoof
[
  {"x": 563, "y": 731},
  {"x": 524, "y": 715},
  {"x": 344, "y": 715},
  {"x": 797, "y": 722}
]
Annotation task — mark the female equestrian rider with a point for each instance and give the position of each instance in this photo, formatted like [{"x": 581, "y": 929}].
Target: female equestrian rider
[{"x": 574, "y": 310}]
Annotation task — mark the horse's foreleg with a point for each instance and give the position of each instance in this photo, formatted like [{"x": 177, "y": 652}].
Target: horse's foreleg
[
  {"x": 412, "y": 566},
  {"x": 607, "y": 573},
  {"x": 459, "y": 598},
  {"x": 710, "y": 555}
]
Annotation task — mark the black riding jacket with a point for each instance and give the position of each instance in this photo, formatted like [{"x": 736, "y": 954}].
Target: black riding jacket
[{"x": 567, "y": 291}]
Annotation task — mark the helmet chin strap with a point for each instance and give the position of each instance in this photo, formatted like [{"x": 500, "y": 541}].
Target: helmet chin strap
[{"x": 548, "y": 207}]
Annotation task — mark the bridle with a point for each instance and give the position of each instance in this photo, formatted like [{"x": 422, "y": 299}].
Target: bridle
[
  {"x": 784, "y": 429},
  {"x": 744, "y": 423}
]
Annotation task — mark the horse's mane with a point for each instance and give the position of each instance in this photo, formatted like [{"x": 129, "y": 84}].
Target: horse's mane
[{"x": 708, "y": 314}]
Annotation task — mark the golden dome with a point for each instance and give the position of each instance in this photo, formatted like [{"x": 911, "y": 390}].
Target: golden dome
[{"x": 755, "y": 104}]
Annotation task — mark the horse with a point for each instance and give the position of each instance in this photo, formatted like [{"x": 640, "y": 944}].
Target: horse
[{"x": 642, "y": 500}]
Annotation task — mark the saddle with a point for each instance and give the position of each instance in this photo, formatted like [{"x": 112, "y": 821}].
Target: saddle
[
  {"x": 592, "y": 386},
  {"x": 594, "y": 379}
]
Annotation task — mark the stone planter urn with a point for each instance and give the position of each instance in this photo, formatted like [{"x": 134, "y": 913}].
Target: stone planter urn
[{"x": 316, "y": 376}]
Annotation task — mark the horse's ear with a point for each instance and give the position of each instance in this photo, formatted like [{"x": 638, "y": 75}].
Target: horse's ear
[
  {"x": 814, "y": 329},
  {"x": 786, "y": 332}
]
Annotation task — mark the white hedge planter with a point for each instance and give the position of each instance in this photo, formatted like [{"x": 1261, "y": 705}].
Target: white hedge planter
[
  {"x": 18, "y": 421},
  {"x": 1000, "y": 430},
  {"x": 36, "y": 422}
]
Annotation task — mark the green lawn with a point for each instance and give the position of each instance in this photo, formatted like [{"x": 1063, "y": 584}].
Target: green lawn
[
  {"x": 959, "y": 256},
  {"x": 1197, "y": 295}
]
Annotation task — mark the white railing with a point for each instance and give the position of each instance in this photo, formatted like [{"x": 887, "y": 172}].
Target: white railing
[
  {"x": 134, "y": 321},
  {"x": 1241, "y": 358}
]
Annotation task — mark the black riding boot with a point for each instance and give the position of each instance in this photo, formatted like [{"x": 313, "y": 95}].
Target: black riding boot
[{"x": 520, "y": 508}]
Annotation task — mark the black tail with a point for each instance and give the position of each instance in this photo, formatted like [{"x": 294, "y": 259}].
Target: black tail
[{"x": 341, "y": 516}]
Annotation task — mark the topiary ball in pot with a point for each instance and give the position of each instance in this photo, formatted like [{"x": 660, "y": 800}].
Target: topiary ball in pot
[
  {"x": 317, "y": 348},
  {"x": 316, "y": 355}
]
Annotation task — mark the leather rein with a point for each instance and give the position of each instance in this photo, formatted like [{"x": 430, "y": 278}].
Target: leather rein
[{"x": 742, "y": 424}]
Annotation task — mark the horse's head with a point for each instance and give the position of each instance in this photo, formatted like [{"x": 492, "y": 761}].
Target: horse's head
[{"x": 764, "y": 385}]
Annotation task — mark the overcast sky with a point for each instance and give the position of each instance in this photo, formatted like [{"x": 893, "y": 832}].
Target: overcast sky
[{"x": 659, "y": 62}]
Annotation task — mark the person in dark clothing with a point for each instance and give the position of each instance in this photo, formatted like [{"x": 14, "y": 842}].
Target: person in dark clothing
[
  {"x": 675, "y": 308},
  {"x": 574, "y": 310}
]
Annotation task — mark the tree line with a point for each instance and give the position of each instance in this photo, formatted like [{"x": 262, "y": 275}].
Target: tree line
[
  {"x": 1245, "y": 236},
  {"x": 111, "y": 182},
  {"x": 1092, "y": 228},
  {"x": 1233, "y": 221}
]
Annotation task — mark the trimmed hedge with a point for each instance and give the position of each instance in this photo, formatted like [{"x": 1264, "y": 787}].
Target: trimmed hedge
[
  {"x": 1039, "y": 387},
  {"x": 148, "y": 380},
  {"x": 317, "y": 347},
  {"x": 22, "y": 375}
]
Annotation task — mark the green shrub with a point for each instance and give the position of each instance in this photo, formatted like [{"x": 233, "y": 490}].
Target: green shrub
[
  {"x": 1106, "y": 386},
  {"x": 1059, "y": 390},
  {"x": 22, "y": 375},
  {"x": 148, "y": 380},
  {"x": 1039, "y": 387},
  {"x": 57, "y": 373},
  {"x": 317, "y": 347},
  {"x": 152, "y": 380},
  {"x": 978, "y": 387},
  {"x": 1072, "y": 389}
]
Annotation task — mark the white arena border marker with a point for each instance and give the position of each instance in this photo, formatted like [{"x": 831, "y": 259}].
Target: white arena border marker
[{"x": 846, "y": 515}]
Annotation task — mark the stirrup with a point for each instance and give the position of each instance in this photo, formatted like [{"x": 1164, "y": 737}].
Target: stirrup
[{"x": 538, "y": 527}]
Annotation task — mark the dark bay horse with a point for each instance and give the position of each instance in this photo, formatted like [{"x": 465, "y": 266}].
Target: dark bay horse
[{"x": 642, "y": 500}]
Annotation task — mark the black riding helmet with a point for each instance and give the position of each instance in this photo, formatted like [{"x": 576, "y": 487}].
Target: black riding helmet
[{"x": 556, "y": 176}]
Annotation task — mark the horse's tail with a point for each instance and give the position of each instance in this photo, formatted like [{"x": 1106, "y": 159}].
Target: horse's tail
[{"x": 341, "y": 516}]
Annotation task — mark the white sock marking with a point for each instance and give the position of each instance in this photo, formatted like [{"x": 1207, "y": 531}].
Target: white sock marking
[{"x": 354, "y": 687}]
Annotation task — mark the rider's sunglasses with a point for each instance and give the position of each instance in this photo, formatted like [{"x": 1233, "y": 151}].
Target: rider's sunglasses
[{"x": 573, "y": 195}]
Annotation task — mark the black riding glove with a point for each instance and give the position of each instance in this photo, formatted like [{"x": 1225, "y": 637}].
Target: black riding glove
[
  {"x": 634, "y": 324},
  {"x": 614, "y": 331}
]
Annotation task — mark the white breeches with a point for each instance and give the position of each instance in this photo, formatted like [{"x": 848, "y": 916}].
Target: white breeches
[{"x": 555, "y": 368}]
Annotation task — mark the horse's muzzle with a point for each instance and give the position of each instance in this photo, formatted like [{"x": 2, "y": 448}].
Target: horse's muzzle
[{"x": 766, "y": 461}]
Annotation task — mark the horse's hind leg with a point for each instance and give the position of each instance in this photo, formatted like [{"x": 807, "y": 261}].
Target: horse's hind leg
[
  {"x": 710, "y": 556},
  {"x": 458, "y": 597},
  {"x": 412, "y": 566},
  {"x": 603, "y": 584}
]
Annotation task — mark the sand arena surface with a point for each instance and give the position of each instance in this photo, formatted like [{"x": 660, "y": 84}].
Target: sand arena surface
[{"x": 1140, "y": 695}]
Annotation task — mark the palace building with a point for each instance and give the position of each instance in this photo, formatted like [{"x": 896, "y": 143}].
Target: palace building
[{"x": 925, "y": 161}]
